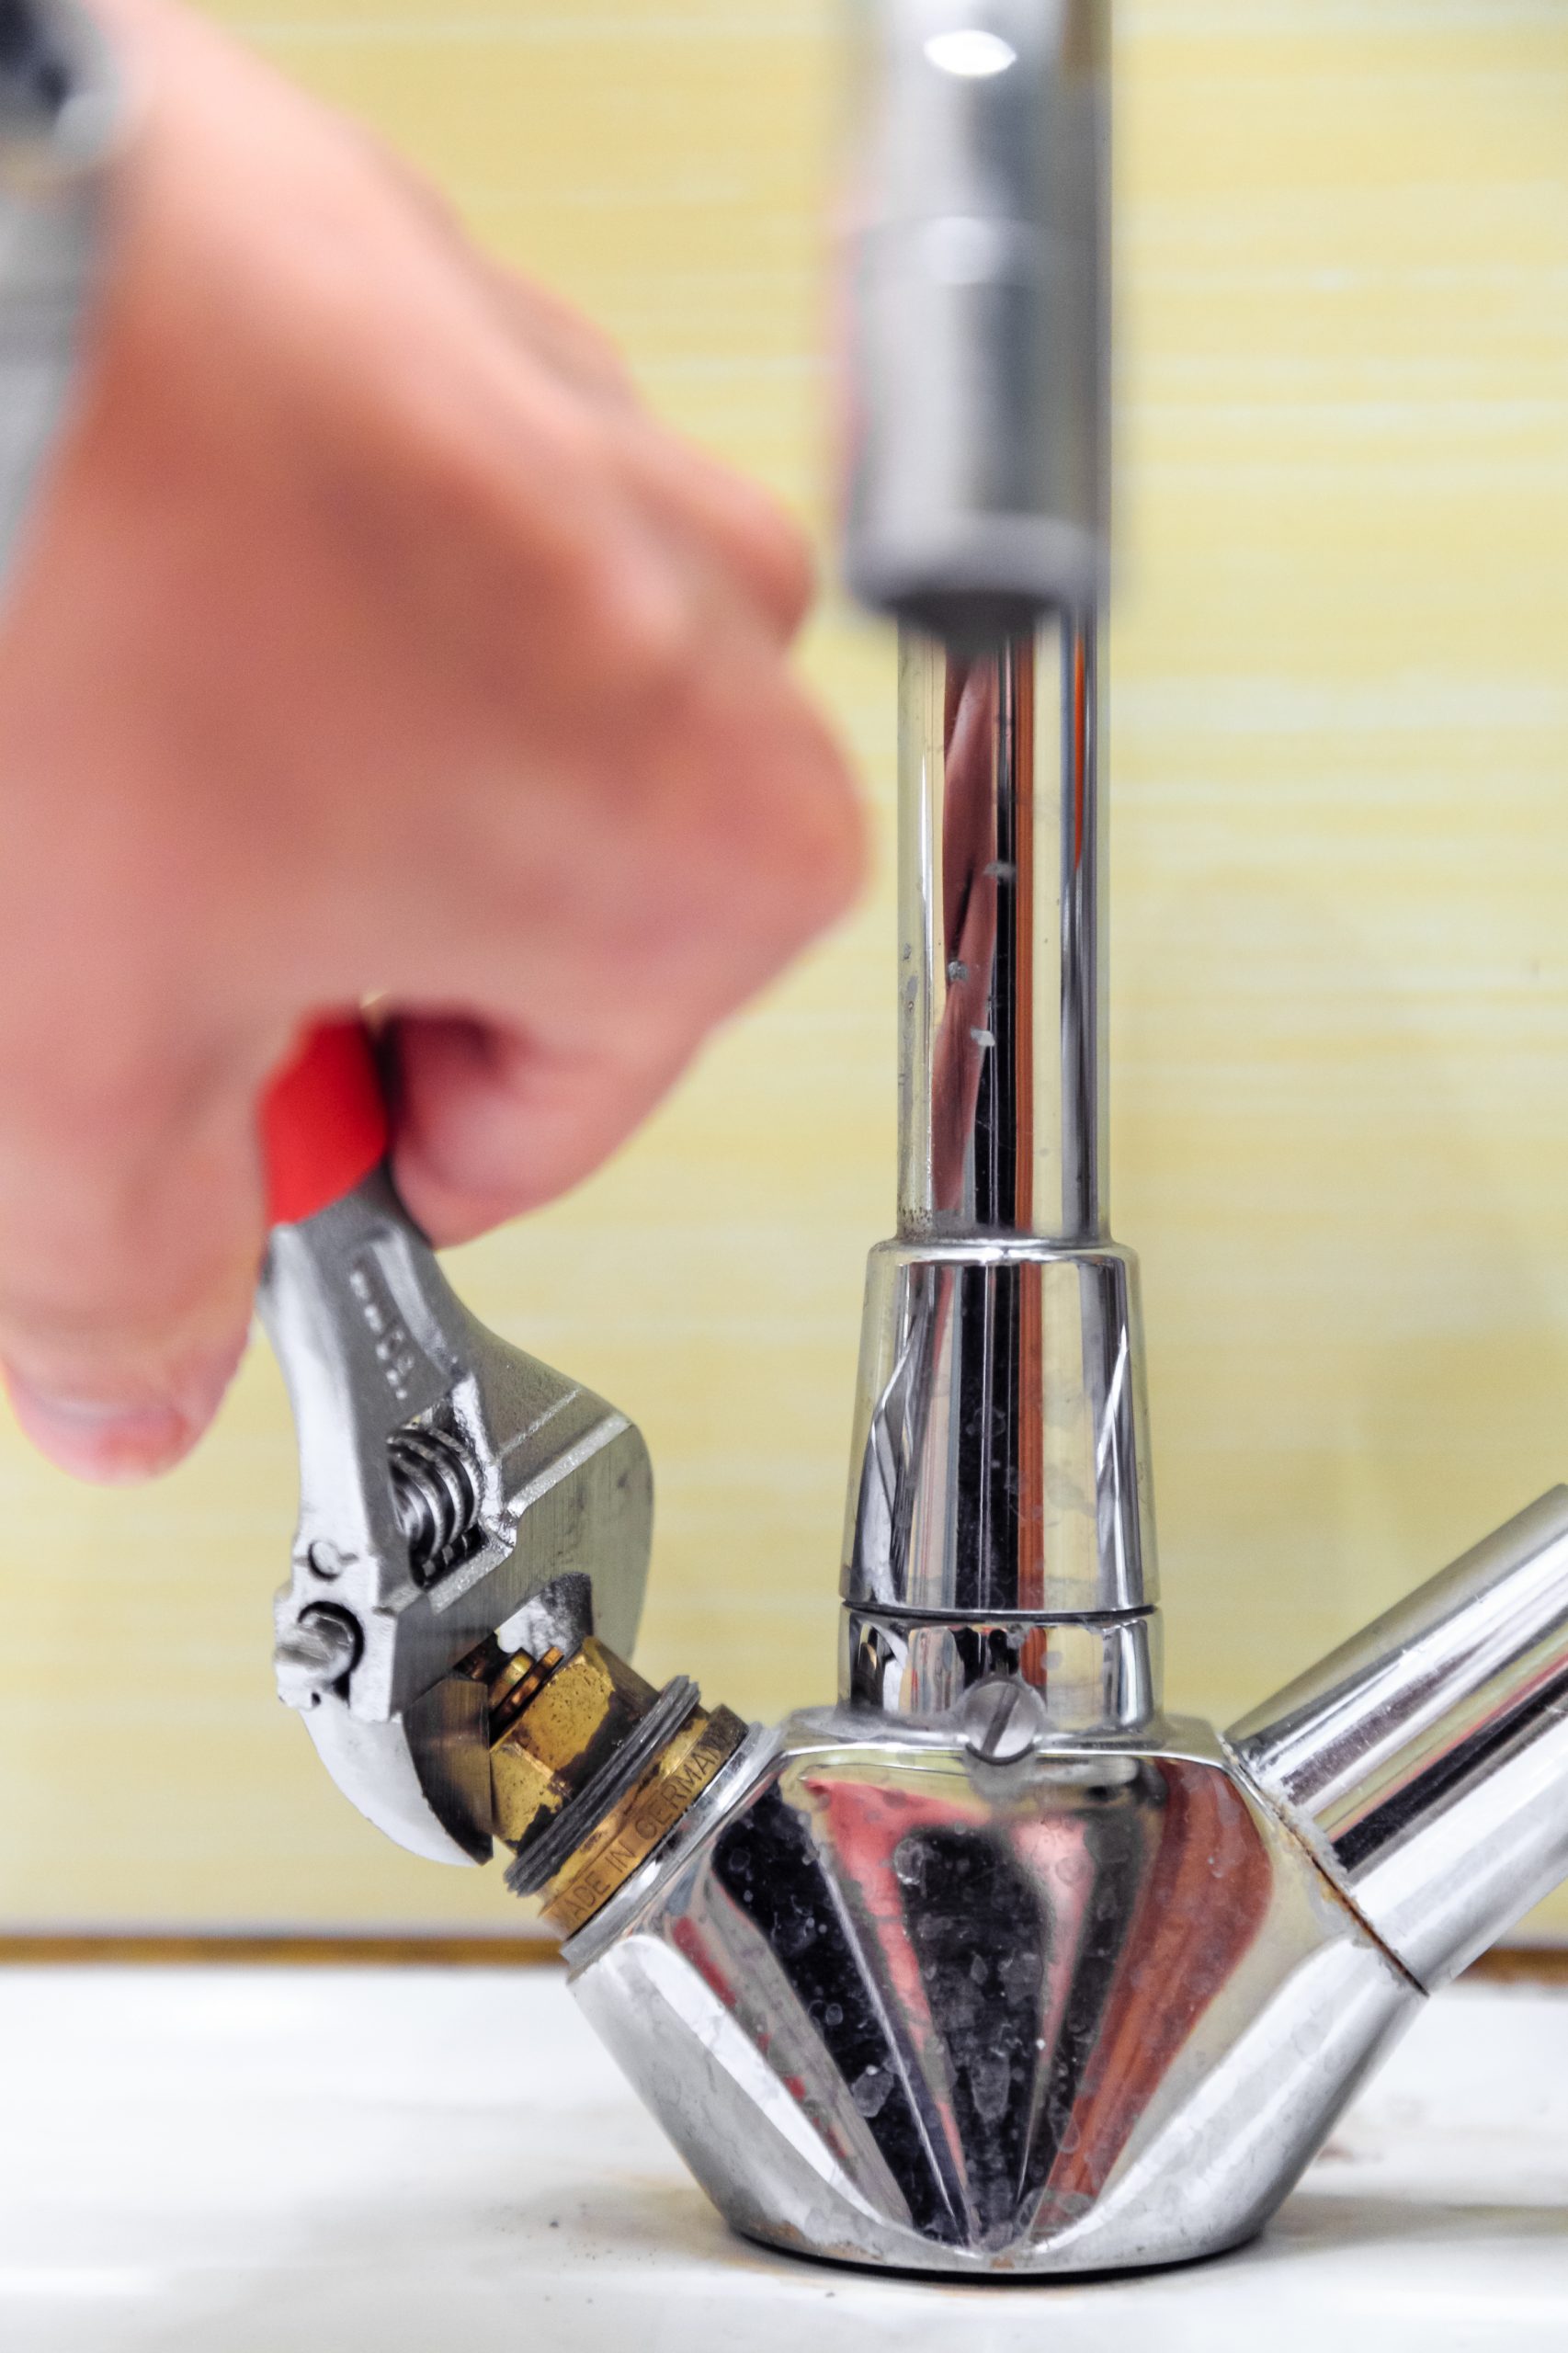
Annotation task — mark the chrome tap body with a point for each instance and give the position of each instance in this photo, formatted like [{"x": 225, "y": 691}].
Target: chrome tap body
[{"x": 995, "y": 1968}]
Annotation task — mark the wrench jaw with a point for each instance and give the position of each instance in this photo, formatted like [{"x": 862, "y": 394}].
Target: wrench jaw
[
  {"x": 451, "y": 1487},
  {"x": 423, "y": 1777}
]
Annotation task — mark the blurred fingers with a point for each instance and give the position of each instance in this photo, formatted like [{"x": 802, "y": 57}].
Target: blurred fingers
[
  {"x": 491, "y": 1122},
  {"x": 725, "y": 520},
  {"x": 720, "y": 515}
]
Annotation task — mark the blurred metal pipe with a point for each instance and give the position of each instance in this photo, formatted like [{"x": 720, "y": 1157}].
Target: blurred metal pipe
[
  {"x": 978, "y": 311},
  {"x": 61, "y": 121}
]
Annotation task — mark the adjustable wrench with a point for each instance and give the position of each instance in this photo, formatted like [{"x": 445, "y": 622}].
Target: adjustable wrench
[{"x": 455, "y": 1494}]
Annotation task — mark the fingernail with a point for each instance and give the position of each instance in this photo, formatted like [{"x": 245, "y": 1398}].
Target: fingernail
[{"x": 116, "y": 1444}]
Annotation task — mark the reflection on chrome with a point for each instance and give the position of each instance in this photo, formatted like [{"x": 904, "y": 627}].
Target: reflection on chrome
[{"x": 971, "y": 52}]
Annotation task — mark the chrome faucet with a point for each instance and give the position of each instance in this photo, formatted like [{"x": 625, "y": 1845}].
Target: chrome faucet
[
  {"x": 996, "y": 1967},
  {"x": 992, "y": 1967}
]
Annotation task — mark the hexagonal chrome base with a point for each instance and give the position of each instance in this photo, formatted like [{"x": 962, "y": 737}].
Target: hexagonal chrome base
[{"x": 898, "y": 2005}]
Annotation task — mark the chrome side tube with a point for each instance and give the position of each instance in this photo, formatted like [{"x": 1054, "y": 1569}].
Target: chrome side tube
[{"x": 1426, "y": 1760}]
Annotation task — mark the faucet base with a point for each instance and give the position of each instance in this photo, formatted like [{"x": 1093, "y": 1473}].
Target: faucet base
[{"x": 900, "y": 2005}]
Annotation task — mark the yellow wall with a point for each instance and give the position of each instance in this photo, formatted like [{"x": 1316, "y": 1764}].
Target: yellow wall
[{"x": 1339, "y": 750}]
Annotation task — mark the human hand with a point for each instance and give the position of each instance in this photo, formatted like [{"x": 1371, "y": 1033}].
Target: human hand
[{"x": 369, "y": 636}]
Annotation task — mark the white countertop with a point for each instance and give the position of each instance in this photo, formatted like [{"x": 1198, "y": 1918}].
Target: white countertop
[{"x": 275, "y": 2160}]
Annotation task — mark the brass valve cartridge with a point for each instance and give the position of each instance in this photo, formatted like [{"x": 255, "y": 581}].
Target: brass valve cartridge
[{"x": 591, "y": 1769}]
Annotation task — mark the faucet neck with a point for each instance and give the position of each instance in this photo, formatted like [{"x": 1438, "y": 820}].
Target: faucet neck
[
  {"x": 1002, "y": 1094},
  {"x": 999, "y": 1520}
]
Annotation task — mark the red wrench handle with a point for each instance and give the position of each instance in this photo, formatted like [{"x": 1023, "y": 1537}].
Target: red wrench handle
[{"x": 323, "y": 1123}]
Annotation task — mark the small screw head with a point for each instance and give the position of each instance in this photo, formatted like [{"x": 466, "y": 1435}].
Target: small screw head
[
  {"x": 313, "y": 1654},
  {"x": 325, "y": 1558},
  {"x": 1001, "y": 1719}
]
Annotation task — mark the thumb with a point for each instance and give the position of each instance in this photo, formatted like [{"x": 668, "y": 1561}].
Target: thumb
[{"x": 131, "y": 1232}]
